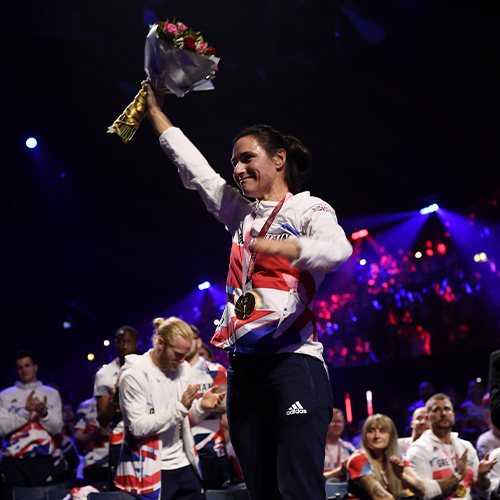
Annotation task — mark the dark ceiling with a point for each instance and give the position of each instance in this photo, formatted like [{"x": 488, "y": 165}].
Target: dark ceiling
[{"x": 400, "y": 110}]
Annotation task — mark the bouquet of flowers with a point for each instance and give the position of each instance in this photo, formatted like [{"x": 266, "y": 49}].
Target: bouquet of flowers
[{"x": 176, "y": 61}]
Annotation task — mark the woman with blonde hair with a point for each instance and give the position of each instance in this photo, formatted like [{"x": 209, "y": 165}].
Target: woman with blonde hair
[{"x": 376, "y": 471}]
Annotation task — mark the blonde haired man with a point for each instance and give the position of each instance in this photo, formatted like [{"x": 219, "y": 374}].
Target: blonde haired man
[{"x": 158, "y": 401}]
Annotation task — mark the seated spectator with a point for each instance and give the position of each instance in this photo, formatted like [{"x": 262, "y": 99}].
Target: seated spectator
[
  {"x": 92, "y": 441},
  {"x": 357, "y": 440},
  {"x": 449, "y": 466},
  {"x": 472, "y": 418},
  {"x": 489, "y": 440},
  {"x": 419, "y": 424},
  {"x": 376, "y": 471},
  {"x": 425, "y": 390},
  {"x": 30, "y": 417},
  {"x": 337, "y": 450},
  {"x": 420, "y": 340}
]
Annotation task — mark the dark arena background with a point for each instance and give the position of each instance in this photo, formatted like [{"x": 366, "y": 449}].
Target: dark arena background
[{"x": 399, "y": 102}]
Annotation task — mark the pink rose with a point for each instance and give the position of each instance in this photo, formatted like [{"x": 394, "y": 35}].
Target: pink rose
[
  {"x": 171, "y": 29},
  {"x": 181, "y": 27},
  {"x": 201, "y": 47}
]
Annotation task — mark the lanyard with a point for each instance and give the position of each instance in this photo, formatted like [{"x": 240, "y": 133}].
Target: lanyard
[
  {"x": 262, "y": 233},
  {"x": 338, "y": 461},
  {"x": 452, "y": 463}
]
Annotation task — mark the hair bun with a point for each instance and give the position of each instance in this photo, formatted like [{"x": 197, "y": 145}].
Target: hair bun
[
  {"x": 299, "y": 153},
  {"x": 158, "y": 321}
]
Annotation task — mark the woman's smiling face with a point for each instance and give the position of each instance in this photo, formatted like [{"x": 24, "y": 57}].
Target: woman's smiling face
[{"x": 255, "y": 171}]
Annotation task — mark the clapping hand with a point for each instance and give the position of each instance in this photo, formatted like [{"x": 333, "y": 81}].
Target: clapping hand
[
  {"x": 485, "y": 465},
  {"x": 211, "y": 399},
  {"x": 33, "y": 404},
  {"x": 189, "y": 395}
]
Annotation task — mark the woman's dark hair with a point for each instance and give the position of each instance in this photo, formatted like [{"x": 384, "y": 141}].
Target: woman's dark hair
[{"x": 298, "y": 158}]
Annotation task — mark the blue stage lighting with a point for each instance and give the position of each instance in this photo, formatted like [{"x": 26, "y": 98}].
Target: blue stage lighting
[
  {"x": 31, "y": 143},
  {"x": 429, "y": 209},
  {"x": 204, "y": 285}
]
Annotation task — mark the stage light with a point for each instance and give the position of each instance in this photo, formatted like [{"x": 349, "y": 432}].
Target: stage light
[
  {"x": 67, "y": 325},
  {"x": 348, "y": 409},
  {"x": 480, "y": 257},
  {"x": 478, "y": 380},
  {"x": 216, "y": 322},
  {"x": 429, "y": 252},
  {"x": 106, "y": 343},
  {"x": 359, "y": 234},
  {"x": 90, "y": 357},
  {"x": 31, "y": 143},
  {"x": 418, "y": 255},
  {"x": 369, "y": 404},
  {"x": 429, "y": 209},
  {"x": 441, "y": 248},
  {"x": 362, "y": 262},
  {"x": 204, "y": 285}
]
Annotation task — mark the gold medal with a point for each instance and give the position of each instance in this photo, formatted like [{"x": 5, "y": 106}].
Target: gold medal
[
  {"x": 246, "y": 305},
  {"x": 461, "y": 490}
]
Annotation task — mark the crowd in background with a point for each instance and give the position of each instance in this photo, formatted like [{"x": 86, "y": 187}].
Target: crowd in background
[{"x": 404, "y": 306}]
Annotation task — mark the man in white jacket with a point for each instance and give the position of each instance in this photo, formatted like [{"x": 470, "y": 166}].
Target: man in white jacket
[
  {"x": 30, "y": 417},
  {"x": 448, "y": 465},
  {"x": 158, "y": 457}
]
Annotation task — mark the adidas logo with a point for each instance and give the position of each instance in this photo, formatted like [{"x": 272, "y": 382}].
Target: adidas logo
[{"x": 296, "y": 408}]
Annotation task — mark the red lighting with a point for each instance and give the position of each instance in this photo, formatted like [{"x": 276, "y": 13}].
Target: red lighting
[
  {"x": 441, "y": 248},
  {"x": 429, "y": 252},
  {"x": 369, "y": 403},
  {"x": 428, "y": 244},
  {"x": 348, "y": 409},
  {"x": 359, "y": 234},
  {"x": 472, "y": 216},
  {"x": 447, "y": 234},
  {"x": 494, "y": 203}
]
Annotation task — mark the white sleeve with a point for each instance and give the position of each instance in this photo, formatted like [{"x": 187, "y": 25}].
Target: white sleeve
[
  {"x": 53, "y": 422},
  {"x": 134, "y": 390},
  {"x": 417, "y": 456},
  {"x": 223, "y": 201},
  {"x": 324, "y": 245},
  {"x": 9, "y": 422},
  {"x": 101, "y": 388},
  {"x": 495, "y": 471}
]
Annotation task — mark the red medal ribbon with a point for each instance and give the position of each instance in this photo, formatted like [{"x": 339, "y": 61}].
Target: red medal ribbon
[{"x": 262, "y": 234}]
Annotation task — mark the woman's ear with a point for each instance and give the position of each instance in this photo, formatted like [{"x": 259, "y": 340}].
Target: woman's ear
[{"x": 279, "y": 158}]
